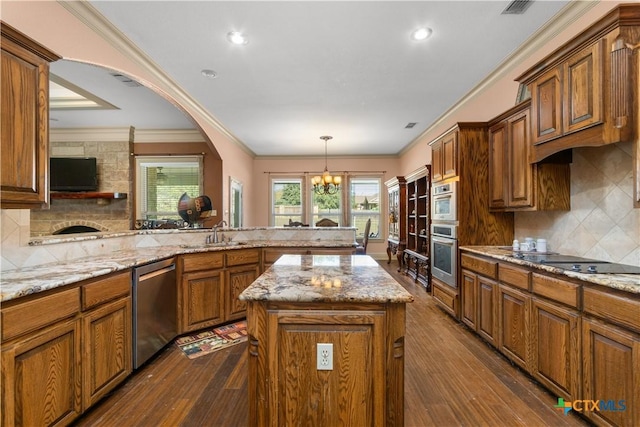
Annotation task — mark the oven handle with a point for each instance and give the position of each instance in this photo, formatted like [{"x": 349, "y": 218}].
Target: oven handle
[{"x": 445, "y": 240}]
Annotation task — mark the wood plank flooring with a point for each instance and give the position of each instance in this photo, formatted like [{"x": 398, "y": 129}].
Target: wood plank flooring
[{"x": 452, "y": 378}]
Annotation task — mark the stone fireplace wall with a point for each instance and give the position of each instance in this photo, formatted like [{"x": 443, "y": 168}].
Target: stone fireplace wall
[{"x": 112, "y": 149}]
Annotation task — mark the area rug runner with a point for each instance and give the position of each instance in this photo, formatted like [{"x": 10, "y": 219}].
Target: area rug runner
[{"x": 207, "y": 342}]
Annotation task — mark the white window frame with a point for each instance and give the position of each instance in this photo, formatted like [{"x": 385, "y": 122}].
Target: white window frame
[
  {"x": 303, "y": 195},
  {"x": 143, "y": 162},
  {"x": 350, "y": 212}
]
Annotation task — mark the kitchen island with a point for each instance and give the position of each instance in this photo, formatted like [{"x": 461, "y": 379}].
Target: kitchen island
[{"x": 326, "y": 343}]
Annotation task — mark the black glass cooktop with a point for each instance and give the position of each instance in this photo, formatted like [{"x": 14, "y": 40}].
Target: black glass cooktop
[{"x": 579, "y": 264}]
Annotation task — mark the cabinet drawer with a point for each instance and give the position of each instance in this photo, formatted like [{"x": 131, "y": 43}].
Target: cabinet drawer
[
  {"x": 514, "y": 276},
  {"x": 241, "y": 257},
  {"x": 38, "y": 313},
  {"x": 482, "y": 266},
  {"x": 202, "y": 261},
  {"x": 103, "y": 290},
  {"x": 556, "y": 289},
  {"x": 613, "y": 307}
]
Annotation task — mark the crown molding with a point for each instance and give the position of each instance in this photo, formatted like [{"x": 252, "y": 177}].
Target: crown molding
[
  {"x": 96, "y": 22},
  {"x": 144, "y": 136},
  {"x": 569, "y": 14},
  {"x": 91, "y": 134}
]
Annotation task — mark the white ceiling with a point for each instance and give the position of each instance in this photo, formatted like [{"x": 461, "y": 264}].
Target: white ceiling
[{"x": 346, "y": 69}]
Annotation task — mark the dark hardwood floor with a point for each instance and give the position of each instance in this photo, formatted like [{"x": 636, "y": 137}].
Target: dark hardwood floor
[{"x": 452, "y": 378}]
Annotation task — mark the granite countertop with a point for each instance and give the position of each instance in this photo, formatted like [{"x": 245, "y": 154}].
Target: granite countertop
[
  {"x": 623, "y": 282},
  {"x": 326, "y": 279},
  {"x": 30, "y": 280}
]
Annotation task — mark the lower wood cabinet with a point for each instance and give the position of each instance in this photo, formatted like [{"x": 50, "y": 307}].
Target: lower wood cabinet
[
  {"x": 201, "y": 300},
  {"x": 487, "y": 322},
  {"x": 513, "y": 324},
  {"x": 611, "y": 375},
  {"x": 239, "y": 279},
  {"x": 41, "y": 377},
  {"x": 469, "y": 299},
  {"x": 365, "y": 386},
  {"x": 555, "y": 348}
]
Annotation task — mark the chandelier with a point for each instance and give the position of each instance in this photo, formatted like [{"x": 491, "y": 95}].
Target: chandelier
[{"x": 326, "y": 184}]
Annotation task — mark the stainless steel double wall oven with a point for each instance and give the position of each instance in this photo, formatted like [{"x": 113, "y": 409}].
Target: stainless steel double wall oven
[{"x": 444, "y": 225}]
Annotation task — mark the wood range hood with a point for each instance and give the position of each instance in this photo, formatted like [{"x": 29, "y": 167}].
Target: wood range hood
[{"x": 585, "y": 94}]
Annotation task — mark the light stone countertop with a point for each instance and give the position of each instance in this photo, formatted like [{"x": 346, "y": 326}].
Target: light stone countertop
[
  {"x": 326, "y": 279},
  {"x": 624, "y": 282},
  {"x": 30, "y": 280}
]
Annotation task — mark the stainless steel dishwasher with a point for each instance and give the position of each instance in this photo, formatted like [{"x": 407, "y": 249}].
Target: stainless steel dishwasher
[{"x": 154, "y": 308}]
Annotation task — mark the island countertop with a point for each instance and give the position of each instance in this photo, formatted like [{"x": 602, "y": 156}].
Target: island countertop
[{"x": 326, "y": 279}]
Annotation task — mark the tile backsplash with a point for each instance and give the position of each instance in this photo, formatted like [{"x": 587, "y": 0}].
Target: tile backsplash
[{"x": 602, "y": 222}]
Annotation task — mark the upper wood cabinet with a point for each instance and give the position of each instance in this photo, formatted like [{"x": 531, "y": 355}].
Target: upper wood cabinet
[
  {"x": 24, "y": 80},
  {"x": 444, "y": 161},
  {"x": 581, "y": 93},
  {"x": 514, "y": 182}
]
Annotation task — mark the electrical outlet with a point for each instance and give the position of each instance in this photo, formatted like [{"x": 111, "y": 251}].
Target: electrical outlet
[{"x": 324, "y": 359}]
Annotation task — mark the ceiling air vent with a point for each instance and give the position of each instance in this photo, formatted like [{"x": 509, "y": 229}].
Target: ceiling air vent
[
  {"x": 517, "y": 7},
  {"x": 126, "y": 80},
  {"x": 410, "y": 125}
]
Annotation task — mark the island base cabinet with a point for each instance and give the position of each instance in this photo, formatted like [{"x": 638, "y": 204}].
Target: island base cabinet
[
  {"x": 611, "y": 357},
  {"x": 555, "y": 348},
  {"x": 107, "y": 349},
  {"x": 365, "y": 386},
  {"x": 41, "y": 377}
]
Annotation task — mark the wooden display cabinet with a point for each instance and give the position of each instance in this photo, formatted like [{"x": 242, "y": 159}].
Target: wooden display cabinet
[
  {"x": 417, "y": 214},
  {"x": 397, "y": 236}
]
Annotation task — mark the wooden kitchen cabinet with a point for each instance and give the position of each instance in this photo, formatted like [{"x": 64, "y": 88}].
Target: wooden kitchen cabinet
[
  {"x": 397, "y": 236},
  {"x": 581, "y": 92},
  {"x": 513, "y": 324},
  {"x": 107, "y": 336},
  {"x": 41, "y": 360},
  {"x": 555, "y": 347},
  {"x": 444, "y": 157},
  {"x": 24, "y": 84},
  {"x": 243, "y": 269},
  {"x": 611, "y": 359},
  {"x": 201, "y": 300},
  {"x": 469, "y": 299},
  {"x": 514, "y": 182},
  {"x": 478, "y": 296},
  {"x": 365, "y": 386}
]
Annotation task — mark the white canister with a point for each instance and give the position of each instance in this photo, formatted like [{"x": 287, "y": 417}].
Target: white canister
[{"x": 541, "y": 245}]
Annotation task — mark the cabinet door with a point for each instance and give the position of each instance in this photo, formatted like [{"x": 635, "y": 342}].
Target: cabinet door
[
  {"x": 555, "y": 348},
  {"x": 450, "y": 155},
  {"x": 107, "y": 349},
  {"x": 487, "y": 324},
  {"x": 611, "y": 375},
  {"x": 498, "y": 178},
  {"x": 469, "y": 299},
  {"x": 41, "y": 377},
  {"x": 514, "y": 325},
  {"x": 583, "y": 88},
  {"x": 520, "y": 172},
  {"x": 239, "y": 279},
  {"x": 546, "y": 107},
  {"x": 202, "y": 300},
  {"x": 437, "y": 167},
  {"x": 24, "y": 84}
]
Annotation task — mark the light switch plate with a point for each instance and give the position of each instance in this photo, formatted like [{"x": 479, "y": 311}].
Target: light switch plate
[{"x": 324, "y": 359}]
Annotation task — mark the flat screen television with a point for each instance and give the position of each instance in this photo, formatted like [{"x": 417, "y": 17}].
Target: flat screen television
[{"x": 73, "y": 174}]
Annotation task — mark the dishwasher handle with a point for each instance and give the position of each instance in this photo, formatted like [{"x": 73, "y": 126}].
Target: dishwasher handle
[
  {"x": 142, "y": 272},
  {"x": 154, "y": 273}
]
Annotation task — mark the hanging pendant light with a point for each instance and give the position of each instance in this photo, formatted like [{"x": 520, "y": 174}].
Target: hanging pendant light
[{"x": 326, "y": 183}]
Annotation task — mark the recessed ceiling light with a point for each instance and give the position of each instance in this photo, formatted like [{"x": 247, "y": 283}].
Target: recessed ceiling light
[
  {"x": 209, "y": 74},
  {"x": 236, "y": 37},
  {"x": 421, "y": 34}
]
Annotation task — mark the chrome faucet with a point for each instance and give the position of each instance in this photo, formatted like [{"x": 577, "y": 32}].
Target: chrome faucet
[{"x": 213, "y": 238}]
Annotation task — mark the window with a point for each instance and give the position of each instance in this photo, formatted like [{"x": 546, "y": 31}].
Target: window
[
  {"x": 161, "y": 181},
  {"x": 364, "y": 203},
  {"x": 286, "y": 201},
  {"x": 326, "y": 206},
  {"x": 293, "y": 200}
]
